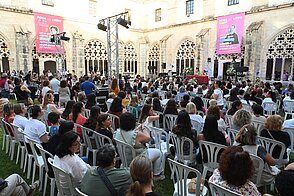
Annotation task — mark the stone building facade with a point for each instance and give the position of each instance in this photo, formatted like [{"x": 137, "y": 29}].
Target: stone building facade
[{"x": 165, "y": 36}]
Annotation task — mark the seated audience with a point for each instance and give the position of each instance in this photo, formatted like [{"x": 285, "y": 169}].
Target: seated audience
[
  {"x": 17, "y": 186},
  {"x": 53, "y": 142},
  {"x": 191, "y": 109},
  {"x": 92, "y": 121},
  {"x": 246, "y": 138},
  {"x": 67, "y": 159},
  {"x": 141, "y": 172},
  {"x": 20, "y": 120},
  {"x": 78, "y": 117},
  {"x": 214, "y": 110},
  {"x": 104, "y": 126},
  {"x": 123, "y": 96},
  {"x": 273, "y": 130},
  {"x": 35, "y": 129},
  {"x": 9, "y": 117},
  {"x": 53, "y": 118},
  {"x": 171, "y": 107},
  {"x": 257, "y": 113},
  {"x": 91, "y": 101},
  {"x": 241, "y": 118},
  {"x": 236, "y": 105},
  {"x": 92, "y": 183},
  {"x": 147, "y": 116},
  {"x": 138, "y": 139},
  {"x": 67, "y": 115},
  {"x": 284, "y": 182},
  {"x": 185, "y": 101},
  {"x": 64, "y": 93},
  {"x": 234, "y": 172}
]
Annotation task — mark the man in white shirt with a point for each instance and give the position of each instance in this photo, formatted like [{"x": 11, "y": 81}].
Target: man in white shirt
[
  {"x": 35, "y": 129},
  {"x": 218, "y": 94},
  {"x": 55, "y": 85},
  {"x": 20, "y": 120}
]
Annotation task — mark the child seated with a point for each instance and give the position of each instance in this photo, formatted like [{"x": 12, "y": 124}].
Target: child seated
[{"x": 53, "y": 118}]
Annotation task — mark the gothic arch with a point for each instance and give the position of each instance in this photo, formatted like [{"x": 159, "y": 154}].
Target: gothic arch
[
  {"x": 4, "y": 55},
  {"x": 96, "y": 57},
  {"x": 130, "y": 58},
  {"x": 154, "y": 59},
  {"x": 280, "y": 55},
  {"x": 185, "y": 56}
]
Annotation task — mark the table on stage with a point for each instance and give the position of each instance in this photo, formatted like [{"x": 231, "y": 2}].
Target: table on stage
[{"x": 201, "y": 79}]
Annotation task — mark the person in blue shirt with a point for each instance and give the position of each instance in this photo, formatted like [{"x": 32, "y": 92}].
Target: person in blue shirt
[
  {"x": 87, "y": 86},
  {"x": 53, "y": 118}
]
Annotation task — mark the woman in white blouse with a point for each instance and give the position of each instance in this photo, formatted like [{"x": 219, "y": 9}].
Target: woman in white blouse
[{"x": 67, "y": 159}]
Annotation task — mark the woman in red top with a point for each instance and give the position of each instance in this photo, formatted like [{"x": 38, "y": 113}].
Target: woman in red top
[
  {"x": 9, "y": 116},
  {"x": 78, "y": 110}
]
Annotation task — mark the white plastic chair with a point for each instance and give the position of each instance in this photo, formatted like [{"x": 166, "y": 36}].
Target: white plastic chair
[
  {"x": 21, "y": 148},
  {"x": 197, "y": 125},
  {"x": 114, "y": 119},
  {"x": 124, "y": 149},
  {"x": 6, "y": 137},
  {"x": 205, "y": 102},
  {"x": 169, "y": 121},
  {"x": 100, "y": 139},
  {"x": 87, "y": 113},
  {"x": 259, "y": 125},
  {"x": 157, "y": 122},
  {"x": 228, "y": 120},
  {"x": 247, "y": 107},
  {"x": 269, "y": 108},
  {"x": 232, "y": 135},
  {"x": 179, "y": 175},
  {"x": 80, "y": 193},
  {"x": 11, "y": 139},
  {"x": 229, "y": 104},
  {"x": 63, "y": 180},
  {"x": 38, "y": 161},
  {"x": 89, "y": 147},
  {"x": 213, "y": 151},
  {"x": 83, "y": 144},
  {"x": 178, "y": 143},
  {"x": 45, "y": 155},
  {"x": 108, "y": 104},
  {"x": 291, "y": 134},
  {"x": 258, "y": 169},
  {"x": 288, "y": 108},
  {"x": 217, "y": 190},
  {"x": 270, "y": 145}
]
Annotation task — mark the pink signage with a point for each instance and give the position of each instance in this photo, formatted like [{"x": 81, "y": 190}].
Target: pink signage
[
  {"x": 229, "y": 33},
  {"x": 46, "y": 26}
]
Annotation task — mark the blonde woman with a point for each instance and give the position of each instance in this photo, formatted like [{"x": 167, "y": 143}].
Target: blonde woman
[
  {"x": 48, "y": 104},
  {"x": 191, "y": 109},
  {"x": 273, "y": 130}
]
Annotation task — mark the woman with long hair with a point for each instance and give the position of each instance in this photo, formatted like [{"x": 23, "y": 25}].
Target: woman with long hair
[
  {"x": 21, "y": 91},
  {"x": 64, "y": 93},
  {"x": 49, "y": 105},
  {"x": 141, "y": 172},
  {"x": 171, "y": 107},
  {"x": 114, "y": 86},
  {"x": 147, "y": 116},
  {"x": 68, "y": 109},
  {"x": 236, "y": 105},
  {"x": 92, "y": 121},
  {"x": 67, "y": 159},
  {"x": 104, "y": 125},
  {"x": 78, "y": 110},
  {"x": 157, "y": 104},
  {"x": 91, "y": 101},
  {"x": 116, "y": 107}
]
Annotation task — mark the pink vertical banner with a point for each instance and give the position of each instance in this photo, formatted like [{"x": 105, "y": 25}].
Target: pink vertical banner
[
  {"x": 46, "y": 26},
  {"x": 229, "y": 33}
]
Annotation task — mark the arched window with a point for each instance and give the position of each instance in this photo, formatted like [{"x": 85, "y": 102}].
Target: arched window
[
  {"x": 53, "y": 67},
  {"x": 4, "y": 55},
  {"x": 130, "y": 59},
  {"x": 154, "y": 59},
  {"x": 280, "y": 57},
  {"x": 96, "y": 57},
  {"x": 185, "y": 56}
]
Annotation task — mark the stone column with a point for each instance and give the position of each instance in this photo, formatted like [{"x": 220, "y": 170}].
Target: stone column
[
  {"x": 78, "y": 63},
  {"x": 22, "y": 50}
]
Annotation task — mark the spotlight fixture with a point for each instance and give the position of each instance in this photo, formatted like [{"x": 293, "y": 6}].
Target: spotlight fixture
[
  {"x": 123, "y": 22},
  {"x": 101, "y": 26}
]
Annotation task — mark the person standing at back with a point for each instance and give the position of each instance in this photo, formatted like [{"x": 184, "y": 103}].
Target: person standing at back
[
  {"x": 55, "y": 85},
  {"x": 87, "y": 86}
]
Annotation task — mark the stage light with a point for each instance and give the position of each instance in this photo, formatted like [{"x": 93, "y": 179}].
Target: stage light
[
  {"x": 101, "y": 26},
  {"x": 123, "y": 22}
]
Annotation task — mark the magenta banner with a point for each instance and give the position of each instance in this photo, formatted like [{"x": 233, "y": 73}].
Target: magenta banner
[
  {"x": 45, "y": 26},
  {"x": 229, "y": 33}
]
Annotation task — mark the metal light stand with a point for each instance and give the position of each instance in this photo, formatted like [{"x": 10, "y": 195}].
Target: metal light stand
[
  {"x": 58, "y": 42},
  {"x": 112, "y": 43}
]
